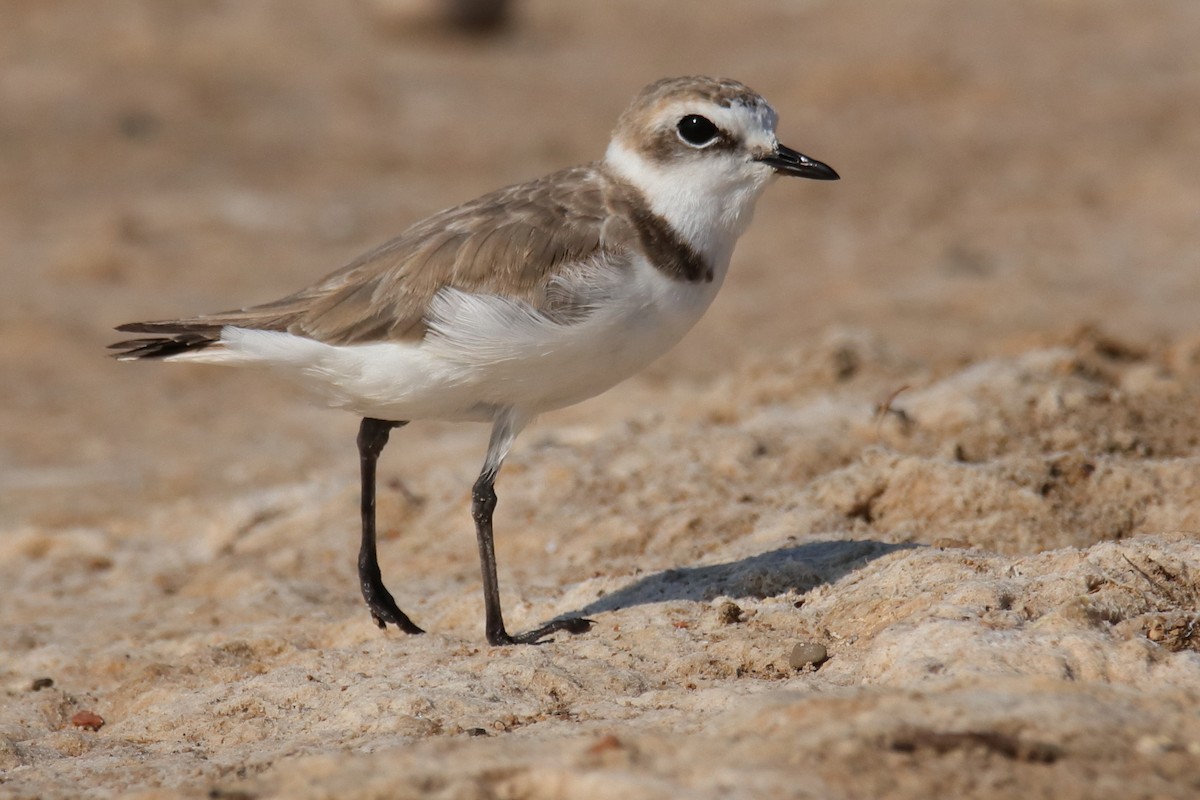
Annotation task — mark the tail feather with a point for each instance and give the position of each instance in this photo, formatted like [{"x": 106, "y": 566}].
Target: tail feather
[
  {"x": 176, "y": 339},
  {"x": 184, "y": 336}
]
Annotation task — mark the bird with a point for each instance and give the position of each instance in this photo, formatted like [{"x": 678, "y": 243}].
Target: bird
[{"x": 527, "y": 299}]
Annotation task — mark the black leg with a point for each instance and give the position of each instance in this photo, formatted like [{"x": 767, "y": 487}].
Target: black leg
[
  {"x": 372, "y": 436},
  {"x": 483, "y": 503}
]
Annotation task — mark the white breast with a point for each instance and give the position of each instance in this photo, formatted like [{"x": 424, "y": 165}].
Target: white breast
[{"x": 515, "y": 356}]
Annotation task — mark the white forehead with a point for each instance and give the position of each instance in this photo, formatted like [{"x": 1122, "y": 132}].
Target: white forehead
[
  {"x": 732, "y": 106},
  {"x": 750, "y": 122}
]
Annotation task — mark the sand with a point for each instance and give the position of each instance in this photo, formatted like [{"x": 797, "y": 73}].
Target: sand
[{"x": 942, "y": 425}]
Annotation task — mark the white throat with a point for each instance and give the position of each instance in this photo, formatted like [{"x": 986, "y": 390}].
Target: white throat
[{"x": 709, "y": 201}]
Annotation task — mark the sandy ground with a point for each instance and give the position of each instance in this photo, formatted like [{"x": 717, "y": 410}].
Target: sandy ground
[{"x": 944, "y": 420}]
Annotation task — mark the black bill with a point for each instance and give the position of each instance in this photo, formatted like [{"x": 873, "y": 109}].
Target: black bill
[{"x": 787, "y": 161}]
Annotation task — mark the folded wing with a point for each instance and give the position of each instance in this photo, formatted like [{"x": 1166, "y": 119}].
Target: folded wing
[{"x": 510, "y": 243}]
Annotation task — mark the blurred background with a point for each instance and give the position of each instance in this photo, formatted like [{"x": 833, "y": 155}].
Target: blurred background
[{"x": 1011, "y": 171}]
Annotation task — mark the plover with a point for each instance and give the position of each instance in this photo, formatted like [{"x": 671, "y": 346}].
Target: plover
[{"x": 524, "y": 300}]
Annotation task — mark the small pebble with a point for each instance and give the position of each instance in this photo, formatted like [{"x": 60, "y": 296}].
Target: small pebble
[
  {"x": 729, "y": 613},
  {"x": 88, "y": 720},
  {"x": 807, "y": 653},
  {"x": 41, "y": 683}
]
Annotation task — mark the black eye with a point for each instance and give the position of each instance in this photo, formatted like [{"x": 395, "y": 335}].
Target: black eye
[{"x": 696, "y": 130}]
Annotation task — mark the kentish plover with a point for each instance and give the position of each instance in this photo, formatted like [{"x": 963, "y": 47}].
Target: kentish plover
[{"x": 527, "y": 299}]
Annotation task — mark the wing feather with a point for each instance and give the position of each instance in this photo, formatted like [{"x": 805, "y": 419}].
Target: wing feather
[{"x": 511, "y": 243}]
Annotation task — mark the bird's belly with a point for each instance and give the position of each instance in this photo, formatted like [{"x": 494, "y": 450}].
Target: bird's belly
[
  {"x": 598, "y": 357},
  {"x": 537, "y": 365}
]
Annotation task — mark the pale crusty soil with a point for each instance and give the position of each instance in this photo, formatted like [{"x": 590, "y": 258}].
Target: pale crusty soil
[{"x": 944, "y": 419}]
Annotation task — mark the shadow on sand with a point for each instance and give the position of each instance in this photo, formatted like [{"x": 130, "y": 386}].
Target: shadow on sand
[{"x": 798, "y": 569}]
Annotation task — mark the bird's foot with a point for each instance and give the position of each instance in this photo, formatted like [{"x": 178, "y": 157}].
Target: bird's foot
[
  {"x": 384, "y": 610},
  {"x": 572, "y": 625}
]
